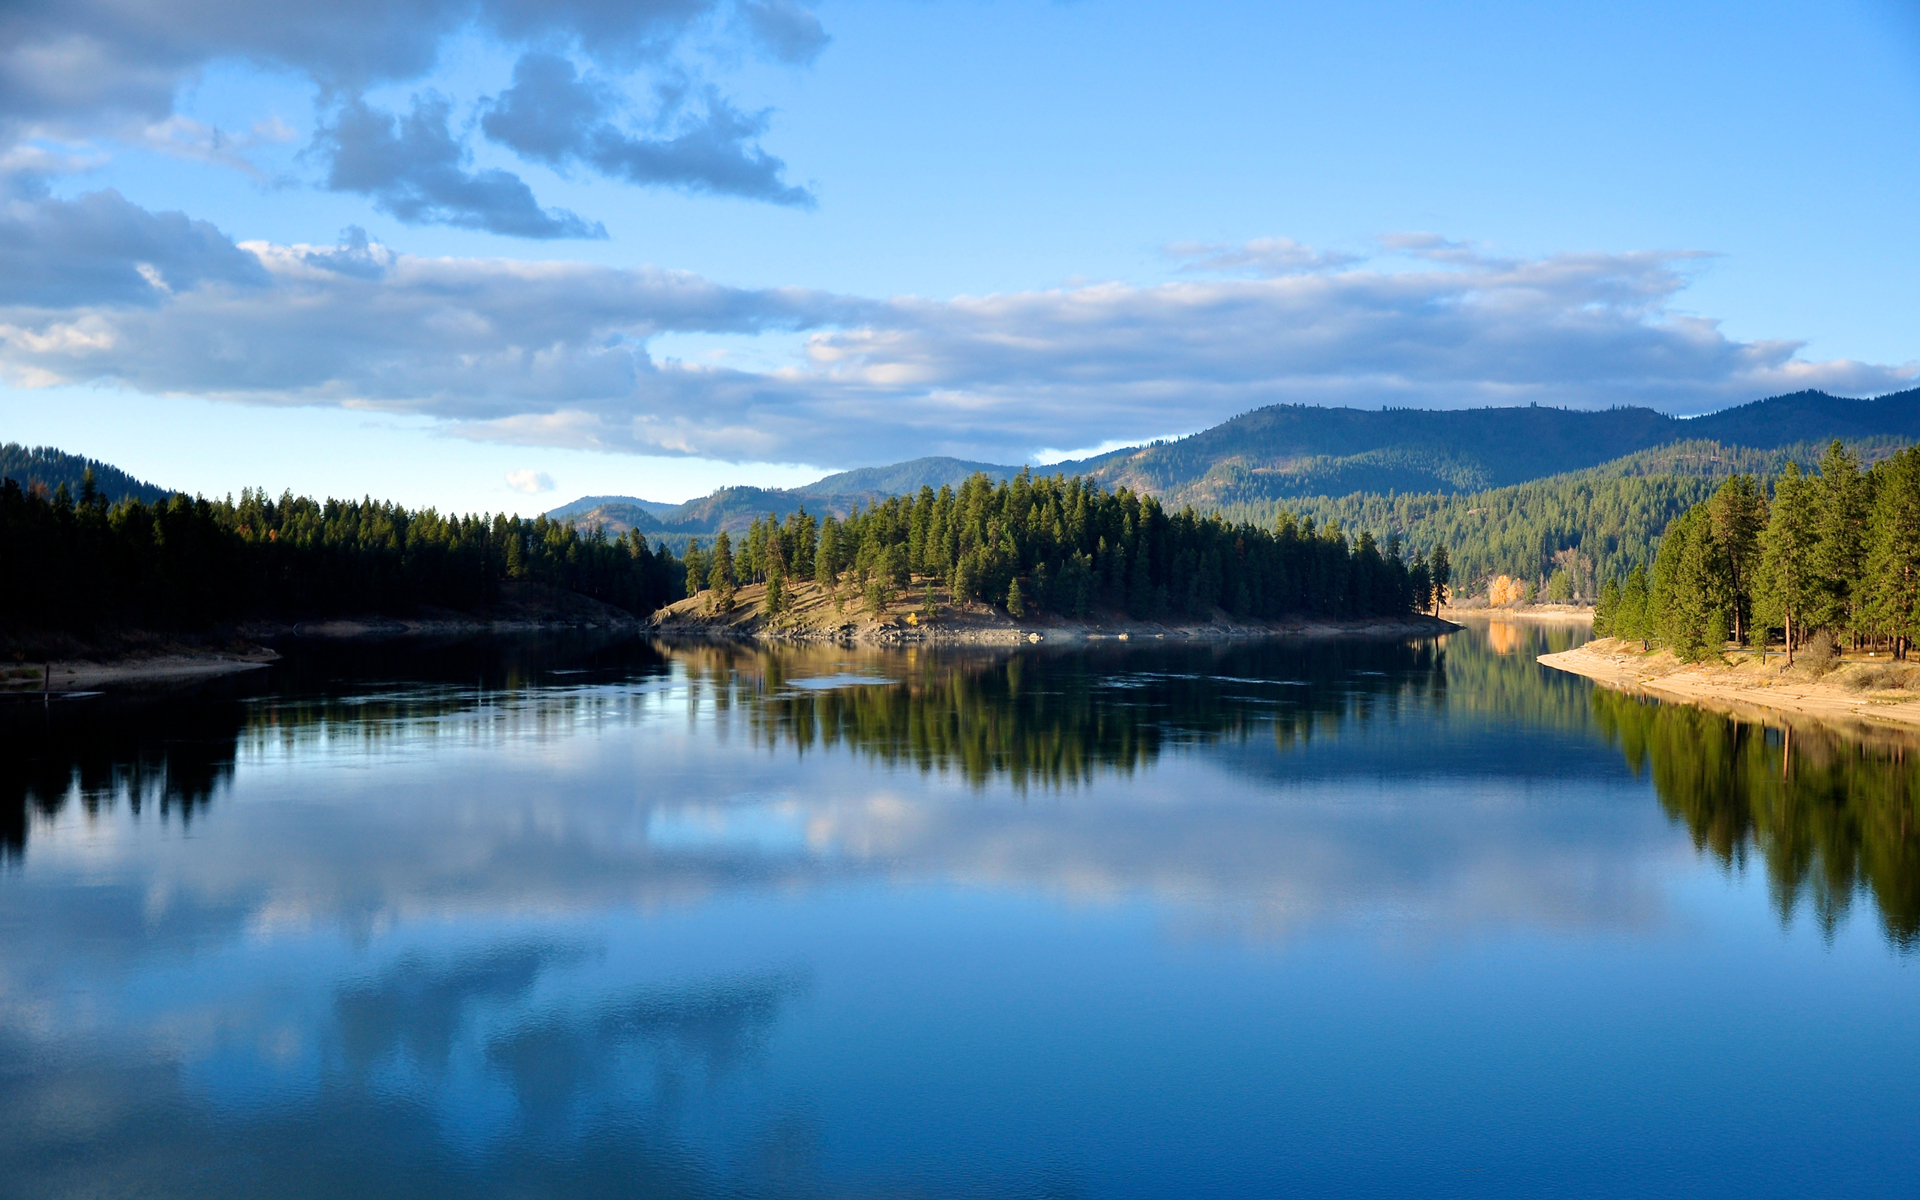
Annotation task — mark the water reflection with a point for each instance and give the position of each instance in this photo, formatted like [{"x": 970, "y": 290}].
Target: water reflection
[
  {"x": 1052, "y": 718},
  {"x": 597, "y": 918},
  {"x": 1830, "y": 816},
  {"x": 169, "y": 754}
]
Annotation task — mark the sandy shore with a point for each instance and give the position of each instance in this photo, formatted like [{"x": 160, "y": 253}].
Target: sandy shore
[
  {"x": 1748, "y": 687},
  {"x": 85, "y": 675}
]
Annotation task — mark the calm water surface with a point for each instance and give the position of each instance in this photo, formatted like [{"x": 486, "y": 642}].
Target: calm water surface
[{"x": 576, "y": 919}]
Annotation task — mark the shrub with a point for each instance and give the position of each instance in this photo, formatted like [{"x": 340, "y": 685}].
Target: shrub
[{"x": 1821, "y": 652}]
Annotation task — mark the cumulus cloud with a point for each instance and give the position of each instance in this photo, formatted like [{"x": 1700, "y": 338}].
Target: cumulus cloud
[
  {"x": 530, "y": 482},
  {"x": 556, "y": 354},
  {"x": 412, "y": 168},
  {"x": 101, "y": 250},
  {"x": 554, "y": 115},
  {"x": 83, "y": 69}
]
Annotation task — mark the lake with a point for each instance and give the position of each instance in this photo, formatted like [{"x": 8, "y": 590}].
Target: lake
[{"x": 572, "y": 918}]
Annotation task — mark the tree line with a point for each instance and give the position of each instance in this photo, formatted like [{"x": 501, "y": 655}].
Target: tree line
[
  {"x": 1058, "y": 545},
  {"x": 1835, "y": 550},
  {"x": 80, "y": 563},
  {"x": 1069, "y": 547}
]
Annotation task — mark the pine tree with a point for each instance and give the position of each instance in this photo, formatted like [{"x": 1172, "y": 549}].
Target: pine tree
[
  {"x": 1016, "y": 602},
  {"x": 1842, "y": 501},
  {"x": 1894, "y": 554},
  {"x": 1739, "y": 514},
  {"x": 696, "y": 568},
  {"x": 826, "y": 558},
  {"x": 1689, "y": 588},
  {"x": 966, "y": 578},
  {"x": 1785, "y": 589},
  {"x": 1631, "y": 620},
  {"x": 720, "y": 577},
  {"x": 1442, "y": 571},
  {"x": 1606, "y": 609}
]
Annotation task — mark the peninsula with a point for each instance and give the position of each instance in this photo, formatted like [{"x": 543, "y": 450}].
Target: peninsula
[{"x": 1866, "y": 689}]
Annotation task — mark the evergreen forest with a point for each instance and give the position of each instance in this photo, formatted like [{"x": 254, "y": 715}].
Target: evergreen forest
[
  {"x": 1832, "y": 555},
  {"x": 81, "y": 564}
]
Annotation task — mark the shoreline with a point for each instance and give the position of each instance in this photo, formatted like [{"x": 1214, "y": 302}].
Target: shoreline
[
  {"x": 979, "y": 625},
  {"x": 1575, "y": 614},
  {"x": 65, "y": 677},
  {"x": 1750, "y": 689}
]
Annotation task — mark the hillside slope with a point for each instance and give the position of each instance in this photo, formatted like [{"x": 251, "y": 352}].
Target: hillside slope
[
  {"x": 1612, "y": 515},
  {"x": 46, "y": 465}
]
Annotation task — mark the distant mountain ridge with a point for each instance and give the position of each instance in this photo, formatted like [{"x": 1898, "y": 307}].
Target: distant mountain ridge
[
  {"x": 1297, "y": 450},
  {"x": 734, "y": 508},
  {"x": 653, "y": 508},
  {"x": 903, "y": 478},
  {"x": 1285, "y": 452}
]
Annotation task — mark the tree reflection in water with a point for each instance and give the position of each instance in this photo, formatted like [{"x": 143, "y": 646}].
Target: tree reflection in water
[
  {"x": 159, "y": 755},
  {"x": 1830, "y": 815},
  {"x": 1051, "y": 718}
]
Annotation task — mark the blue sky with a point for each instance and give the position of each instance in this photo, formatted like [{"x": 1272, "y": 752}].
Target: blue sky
[{"x": 858, "y": 232}]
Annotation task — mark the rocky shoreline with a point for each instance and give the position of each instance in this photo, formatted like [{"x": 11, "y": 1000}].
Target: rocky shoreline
[{"x": 814, "y": 620}]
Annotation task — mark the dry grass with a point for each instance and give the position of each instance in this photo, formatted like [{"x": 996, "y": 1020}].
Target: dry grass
[{"x": 1880, "y": 677}]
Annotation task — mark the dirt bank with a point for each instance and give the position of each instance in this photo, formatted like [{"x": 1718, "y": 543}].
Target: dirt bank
[
  {"x": 1859, "y": 690},
  {"x": 88, "y": 675},
  {"x": 814, "y": 616},
  {"x": 1580, "y": 614}
]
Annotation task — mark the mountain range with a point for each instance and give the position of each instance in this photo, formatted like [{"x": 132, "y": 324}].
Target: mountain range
[{"x": 1290, "y": 451}]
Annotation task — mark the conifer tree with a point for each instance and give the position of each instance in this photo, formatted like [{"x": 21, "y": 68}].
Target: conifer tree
[
  {"x": 826, "y": 559},
  {"x": 1739, "y": 514},
  {"x": 1785, "y": 590},
  {"x": 1016, "y": 602},
  {"x": 720, "y": 577},
  {"x": 1689, "y": 588},
  {"x": 1842, "y": 501},
  {"x": 1631, "y": 621},
  {"x": 696, "y": 568},
  {"x": 1442, "y": 571},
  {"x": 1606, "y": 609},
  {"x": 1894, "y": 556}
]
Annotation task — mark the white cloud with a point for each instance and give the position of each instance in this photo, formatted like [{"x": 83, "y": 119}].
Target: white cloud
[
  {"x": 556, "y": 354},
  {"x": 530, "y": 482}
]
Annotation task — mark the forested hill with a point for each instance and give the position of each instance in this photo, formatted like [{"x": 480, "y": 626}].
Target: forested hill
[
  {"x": 1595, "y": 523},
  {"x": 654, "y": 509},
  {"x": 49, "y": 467},
  {"x": 1299, "y": 450}
]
